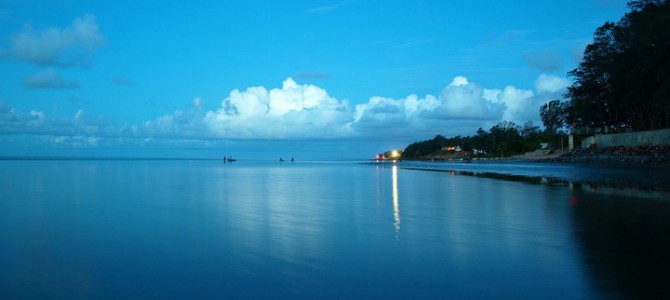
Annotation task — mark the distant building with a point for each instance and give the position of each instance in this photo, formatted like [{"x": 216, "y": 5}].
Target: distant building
[
  {"x": 478, "y": 152},
  {"x": 452, "y": 148}
]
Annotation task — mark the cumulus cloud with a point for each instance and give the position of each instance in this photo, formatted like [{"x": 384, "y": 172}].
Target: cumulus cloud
[
  {"x": 293, "y": 111},
  {"x": 516, "y": 102},
  {"x": 64, "y": 47},
  {"x": 48, "y": 79},
  {"x": 551, "y": 84},
  {"x": 461, "y": 105},
  {"x": 303, "y": 111}
]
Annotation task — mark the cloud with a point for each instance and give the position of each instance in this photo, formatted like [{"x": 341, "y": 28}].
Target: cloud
[
  {"x": 460, "y": 101},
  {"x": 63, "y": 47},
  {"x": 179, "y": 124},
  {"x": 551, "y": 83},
  {"x": 305, "y": 112},
  {"x": 293, "y": 111},
  {"x": 546, "y": 60},
  {"x": 77, "y": 141},
  {"x": 35, "y": 122},
  {"x": 516, "y": 102},
  {"x": 48, "y": 79},
  {"x": 14, "y": 121},
  {"x": 461, "y": 106}
]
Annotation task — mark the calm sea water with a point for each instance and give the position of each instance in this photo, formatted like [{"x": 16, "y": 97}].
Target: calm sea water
[{"x": 315, "y": 230}]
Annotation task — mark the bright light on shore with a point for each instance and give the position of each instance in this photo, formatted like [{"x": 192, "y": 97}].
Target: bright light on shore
[{"x": 395, "y": 154}]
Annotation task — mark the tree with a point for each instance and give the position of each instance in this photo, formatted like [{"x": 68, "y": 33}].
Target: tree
[
  {"x": 504, "y": 135},
  {"x": 420, "y": 149},
  {"x": 623, "y": 80},
  {"x": 553, "y": 115},
  {"x": 530, "y": 130}
]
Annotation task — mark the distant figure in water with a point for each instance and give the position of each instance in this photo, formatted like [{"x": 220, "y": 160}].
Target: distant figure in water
[
  {"x": 281, "y": 159},
  {"x": 292, "y": 160}
]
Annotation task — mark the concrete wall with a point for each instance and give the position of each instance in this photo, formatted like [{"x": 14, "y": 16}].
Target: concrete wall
[{"x": 642, "y": 138}]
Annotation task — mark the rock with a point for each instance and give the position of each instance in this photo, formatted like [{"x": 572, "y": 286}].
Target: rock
[{"x": 619, "y": 155}]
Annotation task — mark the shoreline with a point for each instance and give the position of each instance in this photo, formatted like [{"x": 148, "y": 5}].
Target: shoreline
[{"x": 617, "y": 155}]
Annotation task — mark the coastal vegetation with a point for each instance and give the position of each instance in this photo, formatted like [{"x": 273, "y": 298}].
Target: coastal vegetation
[
  {"x": 503, "y": 139},
  {"x": 622, "y": 84},
  {"x": 623, "y": 81}
]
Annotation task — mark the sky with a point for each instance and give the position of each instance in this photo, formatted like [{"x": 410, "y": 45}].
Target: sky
[{"x": 267, "y": 79}]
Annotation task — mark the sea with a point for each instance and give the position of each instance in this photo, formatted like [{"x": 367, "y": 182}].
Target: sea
[{"x": 263, "y": 229}]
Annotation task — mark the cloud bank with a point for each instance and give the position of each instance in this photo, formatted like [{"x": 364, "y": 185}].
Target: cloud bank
[
  {"x": 64, "y": 47},
  {"x": 304, "y": 111},
  {"x": 48, "y": 79}
]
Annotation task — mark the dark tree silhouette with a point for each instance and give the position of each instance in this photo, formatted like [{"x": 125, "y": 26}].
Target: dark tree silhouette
[{"x": 623, "y": 81}]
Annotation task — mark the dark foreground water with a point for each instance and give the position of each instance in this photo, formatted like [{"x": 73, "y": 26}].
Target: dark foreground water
[{"x": 204, "y": 229}]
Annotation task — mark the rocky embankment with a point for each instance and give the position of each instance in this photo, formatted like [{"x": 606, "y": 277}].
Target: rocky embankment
[{"x": 620, "y": 155}]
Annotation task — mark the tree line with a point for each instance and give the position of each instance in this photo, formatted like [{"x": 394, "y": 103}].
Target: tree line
[
  {"x": 503, "y": 139},
  {"x": 623, "y": 80}
]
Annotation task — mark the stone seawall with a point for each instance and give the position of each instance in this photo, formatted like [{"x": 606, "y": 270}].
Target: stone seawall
[
  {"x": 629, "y": 139},
  {"x": 619, "y": 155}
]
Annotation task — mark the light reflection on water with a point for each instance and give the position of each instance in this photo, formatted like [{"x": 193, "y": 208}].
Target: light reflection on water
[
  {"x": 396, "y": 206},
  {"x": 166, "y": 229}
]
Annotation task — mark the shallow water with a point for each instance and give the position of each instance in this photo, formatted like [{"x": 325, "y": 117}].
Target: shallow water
[{"x": 205, "y": 229}]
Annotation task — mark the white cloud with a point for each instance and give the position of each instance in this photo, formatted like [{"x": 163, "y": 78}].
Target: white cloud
[
  {"x": 48, "y": 79},
  {"x": 76, "y": 141},
  {"x": 551, "y": 84},
  {"x": 13, "y": 121},
  {"x": 179, "y": 124},
  {"x": 303, "y": 111},
  {"x": 460, "y": 108},
  {"x": 69, "y": 46},
  {"x": 294, "y": 111},
  {"x": 516, "y": 102}
]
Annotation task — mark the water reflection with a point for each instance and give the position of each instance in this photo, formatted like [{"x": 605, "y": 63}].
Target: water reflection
[
  {"x": 647, "y": 178},
  {"x": 381, "y": 195},
  {"x": 315, "y": 232},
  {"x": 621, "y": 230},
  {"x": 625, "y": 242},
  {"x": 396, "y": 206},
  {"x": 639, "y": 190}
]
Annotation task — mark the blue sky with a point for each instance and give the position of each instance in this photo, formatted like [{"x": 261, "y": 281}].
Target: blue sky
[{"x": 311, "y": 79}]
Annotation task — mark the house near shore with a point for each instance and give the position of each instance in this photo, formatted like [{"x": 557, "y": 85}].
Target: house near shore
[{"x": 478, "y": 152}]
